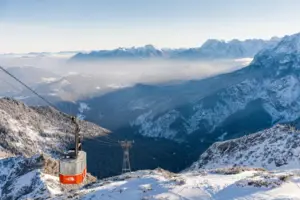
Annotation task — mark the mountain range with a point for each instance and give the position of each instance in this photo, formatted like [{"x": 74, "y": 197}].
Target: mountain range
[
  {"x": 211, "y": 49},
  {"x": 267, "y": 92}
]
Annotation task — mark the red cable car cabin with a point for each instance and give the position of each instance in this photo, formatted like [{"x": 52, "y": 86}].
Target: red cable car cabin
[
  {"x": 72, "y": 167},
  {"x": 73, "y": 170}
]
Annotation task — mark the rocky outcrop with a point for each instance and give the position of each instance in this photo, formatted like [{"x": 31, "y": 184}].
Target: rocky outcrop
[{"x": 28, "y": 130}]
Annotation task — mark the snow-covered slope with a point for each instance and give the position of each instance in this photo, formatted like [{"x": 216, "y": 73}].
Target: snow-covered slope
[
  {"x": 274, "y": 148},
  {"x": 29, "y": 130}
]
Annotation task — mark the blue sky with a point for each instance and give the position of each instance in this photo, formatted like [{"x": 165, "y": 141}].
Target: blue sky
[{"x": 58, "y": 25}]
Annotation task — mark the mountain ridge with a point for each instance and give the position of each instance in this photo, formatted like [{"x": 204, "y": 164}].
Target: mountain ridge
[
  {"x": 28, "y": 130},
  {"x": 273, "y": 149},
  {"x": 211, "y": 49}
]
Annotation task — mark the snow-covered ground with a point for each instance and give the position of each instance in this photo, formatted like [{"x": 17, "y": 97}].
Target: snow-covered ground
[
  {"x": 34, "y": 178},
  {"x": 197, "y": 185}
]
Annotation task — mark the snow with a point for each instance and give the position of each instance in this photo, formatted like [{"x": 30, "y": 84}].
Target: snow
[
  {"x": 49, "y": 79},
  {"x": 52, "y": 184},
  {"x": 273, "y": 149},
  {"x": 222, "y": 136},
  {"x": 289, "y": 44},
  {"x": 158, "y": 127},
  {"x": 188, "y": 186},
  {"x": 116, "y": 86},
  {"x": 82, "y": 108},
  {"x": 34, "y": 130}
]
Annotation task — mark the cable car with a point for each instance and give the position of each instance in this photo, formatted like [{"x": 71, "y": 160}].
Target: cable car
[{"x": 73, "y": 167}]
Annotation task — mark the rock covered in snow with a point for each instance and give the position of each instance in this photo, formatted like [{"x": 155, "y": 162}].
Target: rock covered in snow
[
  {"x": 29, "y": 130},
  {"x": 274, "y": 148}
]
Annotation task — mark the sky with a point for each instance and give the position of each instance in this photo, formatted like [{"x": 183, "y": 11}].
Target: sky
[{"x": 68, "y": 25}]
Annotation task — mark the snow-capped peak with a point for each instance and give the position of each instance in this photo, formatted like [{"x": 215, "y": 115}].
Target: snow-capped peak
[
  {"x": 283, "y": 55},
  {"x": 289, "y": 44}
]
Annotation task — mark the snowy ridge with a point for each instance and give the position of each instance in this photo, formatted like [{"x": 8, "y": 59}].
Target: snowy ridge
[
  {"x": 30, "y": 130},
  {"x": 274, "y": 148}
]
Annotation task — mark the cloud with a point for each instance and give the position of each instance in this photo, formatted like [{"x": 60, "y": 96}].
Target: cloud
[{"x": 129, "y": 72}]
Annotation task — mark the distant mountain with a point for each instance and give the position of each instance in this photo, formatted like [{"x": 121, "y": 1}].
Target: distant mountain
[
  {"x": 211, "y": 49},
  {"x": 148, "y": 51},
  {"x": 41, "y": 54}
]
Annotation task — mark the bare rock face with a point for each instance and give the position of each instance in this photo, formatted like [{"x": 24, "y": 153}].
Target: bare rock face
[{"x": 28, "y": 130}]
